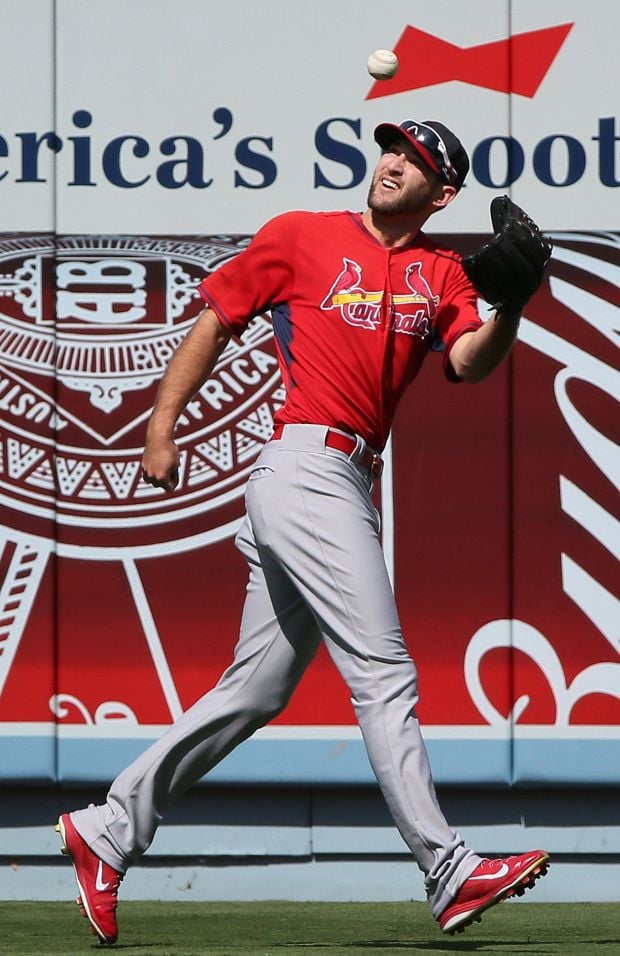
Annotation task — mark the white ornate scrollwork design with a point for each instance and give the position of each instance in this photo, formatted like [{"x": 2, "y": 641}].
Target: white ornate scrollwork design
[
  {"x": 109, "y": 710},
  {"x": 603, "y": 678}
]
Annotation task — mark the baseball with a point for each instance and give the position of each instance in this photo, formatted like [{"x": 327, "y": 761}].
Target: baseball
[{"x": 382, "y": 64}]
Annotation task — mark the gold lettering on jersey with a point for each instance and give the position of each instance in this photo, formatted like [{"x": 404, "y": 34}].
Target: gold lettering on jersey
[{"x": 407, "y": 312}]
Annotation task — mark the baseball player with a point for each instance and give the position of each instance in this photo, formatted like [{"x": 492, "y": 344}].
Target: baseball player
[{"x": 357, "y": 301}]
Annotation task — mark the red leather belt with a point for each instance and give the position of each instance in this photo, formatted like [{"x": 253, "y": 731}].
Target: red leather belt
[{"x": 347, "y": 443}]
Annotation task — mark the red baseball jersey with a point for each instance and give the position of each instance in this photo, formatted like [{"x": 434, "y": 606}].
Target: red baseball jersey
[{"x": 352, "y": 320}]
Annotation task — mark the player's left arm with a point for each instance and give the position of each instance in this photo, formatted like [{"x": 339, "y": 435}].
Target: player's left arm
[
  {"x": 475, "y": 355},
  {"x": 506, "y": 272}
]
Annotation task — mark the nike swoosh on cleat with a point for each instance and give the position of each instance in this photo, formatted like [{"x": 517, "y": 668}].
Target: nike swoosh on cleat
[
  {"x": 99, "y": 884},
  {"x": 503, "y": 870}
]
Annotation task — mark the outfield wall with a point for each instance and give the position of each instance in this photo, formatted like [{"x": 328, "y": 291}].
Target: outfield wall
[
  {"x": 142, "y": 146},
  {"x": 319, "y": 843}
]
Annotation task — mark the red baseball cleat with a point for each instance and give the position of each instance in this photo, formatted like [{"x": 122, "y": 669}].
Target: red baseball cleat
[
  {"x": 97, "y": 882},
  {"x": 491, "y": 882}
]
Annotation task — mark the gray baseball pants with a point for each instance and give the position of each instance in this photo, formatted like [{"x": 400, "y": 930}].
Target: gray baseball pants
[{"x": 317, "y": 573}]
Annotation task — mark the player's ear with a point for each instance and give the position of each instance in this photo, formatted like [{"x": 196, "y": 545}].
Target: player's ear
[{"x": 445, "y": 195}]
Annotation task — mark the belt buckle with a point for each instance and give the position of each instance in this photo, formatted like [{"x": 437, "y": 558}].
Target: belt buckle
[{"x": 376, "y": 465}]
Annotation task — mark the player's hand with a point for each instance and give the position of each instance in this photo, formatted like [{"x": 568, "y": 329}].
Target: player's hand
[
  {"x": 508, "y": 270},
  {"x": 160, "y": 464}
]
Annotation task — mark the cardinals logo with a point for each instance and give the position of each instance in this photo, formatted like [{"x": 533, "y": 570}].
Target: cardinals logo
[{"x": 366, "y": 310}]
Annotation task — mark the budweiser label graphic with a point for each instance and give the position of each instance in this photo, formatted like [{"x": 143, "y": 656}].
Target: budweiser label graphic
[
  {"x": 88, "y": 325},
  {"x": 519, "y": 536},
  {"x": 120, "y": 605}
]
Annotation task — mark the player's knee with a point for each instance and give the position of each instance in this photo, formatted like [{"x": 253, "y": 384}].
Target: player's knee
[
  {"x": 274, "y": 708},
  {"x": 265, "y": 707}
]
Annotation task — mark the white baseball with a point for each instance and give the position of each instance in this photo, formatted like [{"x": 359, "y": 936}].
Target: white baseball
[{"x": 382, "y": 64}]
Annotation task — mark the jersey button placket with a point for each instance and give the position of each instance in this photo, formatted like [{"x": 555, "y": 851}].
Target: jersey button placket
[{"x": 387, "y": 311}]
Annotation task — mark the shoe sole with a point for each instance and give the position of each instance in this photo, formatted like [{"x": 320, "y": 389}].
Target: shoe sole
[
  {"x": 82, "y": 900},
  {"x": 525, "y": 881}
]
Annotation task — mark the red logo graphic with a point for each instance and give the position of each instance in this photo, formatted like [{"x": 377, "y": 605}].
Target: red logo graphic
[{"x": 518, "y": 64}]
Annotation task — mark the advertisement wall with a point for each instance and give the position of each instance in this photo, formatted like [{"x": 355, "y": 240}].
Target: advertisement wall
[{"x": 141, "y": 146}]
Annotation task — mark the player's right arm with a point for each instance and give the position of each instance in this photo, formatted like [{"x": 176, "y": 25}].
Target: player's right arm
[
  {"x": 189, "y": 368},
  {"x": 242, "y": 287}
]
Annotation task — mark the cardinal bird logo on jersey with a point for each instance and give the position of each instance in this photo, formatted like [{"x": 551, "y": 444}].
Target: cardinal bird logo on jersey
[{"x": 366, "y": 309}]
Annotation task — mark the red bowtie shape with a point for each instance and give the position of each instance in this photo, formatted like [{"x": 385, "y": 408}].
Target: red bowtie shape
[{"x": 518, "y": 64}]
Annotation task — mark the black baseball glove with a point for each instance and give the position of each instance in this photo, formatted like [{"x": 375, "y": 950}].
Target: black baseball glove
[{"x": 508, "y": 270}]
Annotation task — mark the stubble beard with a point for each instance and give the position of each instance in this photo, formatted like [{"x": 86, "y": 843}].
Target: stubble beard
[{"x": 402, "y": 203}]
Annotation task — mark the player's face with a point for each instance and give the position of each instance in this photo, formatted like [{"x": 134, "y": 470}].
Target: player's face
[{"x": 403, "y": 184}]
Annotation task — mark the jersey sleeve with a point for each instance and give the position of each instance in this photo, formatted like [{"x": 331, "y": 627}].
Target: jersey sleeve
[
  {"x": 256, "y": 279},
  {"x": 458, "y": 314}
]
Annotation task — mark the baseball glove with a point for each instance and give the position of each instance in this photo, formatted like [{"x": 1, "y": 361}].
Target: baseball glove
[{"x": 508, "y": 270}]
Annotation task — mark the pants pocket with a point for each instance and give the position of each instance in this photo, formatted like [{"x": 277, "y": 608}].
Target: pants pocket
[{"x": 261, "y": 471}]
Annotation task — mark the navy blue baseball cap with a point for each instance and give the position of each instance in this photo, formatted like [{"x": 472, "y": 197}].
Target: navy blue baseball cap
[{"x": 437, "y": 145}]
